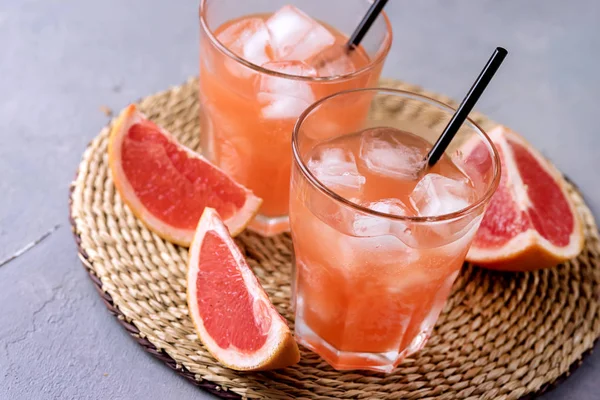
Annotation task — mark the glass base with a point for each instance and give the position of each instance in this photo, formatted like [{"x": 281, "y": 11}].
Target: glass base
[
  {"x": 270, "y": 226},
  {"x": 349, "y": 360}
]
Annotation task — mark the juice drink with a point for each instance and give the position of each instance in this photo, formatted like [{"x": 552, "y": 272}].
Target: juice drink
[
  {"x": 377, "y": 244},
  {"x": 257, "y": 74}
]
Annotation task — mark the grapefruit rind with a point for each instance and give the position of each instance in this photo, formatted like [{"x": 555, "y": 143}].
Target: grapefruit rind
[
  {"x": 280, "y": 349},
  {"x": 528, "y": 250},
  {"x": 183, "y": 237}
]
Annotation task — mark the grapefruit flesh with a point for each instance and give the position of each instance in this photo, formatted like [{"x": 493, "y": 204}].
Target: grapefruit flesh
[
  {"x": 232, "y": 314},
  {"x": 167, "y": 185},
  {"x": 530, "y": 222}
]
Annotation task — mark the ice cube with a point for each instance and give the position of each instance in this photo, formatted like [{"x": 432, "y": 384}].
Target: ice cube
[
  {"x": 438, "y": 195},
  {"x": 411, "y": 280},
  {"x": 336, "y": 169},
  {"x": 249, "y": 39},
  {"x": 382, "y": 255},
  {"x": 280, "y": 106},
  {"x": 296, "y": 36},
  {"x": 333, "y": 62},
  {"x": 285, "y": 97},
  {"x": 369, "y": 225},
  {"x": 382, "y": 151},
  {"x": 299, "y": 68}
]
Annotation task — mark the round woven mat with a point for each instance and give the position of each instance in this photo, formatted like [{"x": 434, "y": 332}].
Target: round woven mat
[{"x": 500, "y": 336}]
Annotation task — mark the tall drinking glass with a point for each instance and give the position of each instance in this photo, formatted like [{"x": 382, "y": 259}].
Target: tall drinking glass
[
  {"x": 378, "y": 246},
  {"x": 249, "y": 105}
]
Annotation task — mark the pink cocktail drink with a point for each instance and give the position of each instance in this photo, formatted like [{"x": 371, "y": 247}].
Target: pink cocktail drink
[
  {"x": 378, "y": 243},
  {"x": 259, "y": 71}
]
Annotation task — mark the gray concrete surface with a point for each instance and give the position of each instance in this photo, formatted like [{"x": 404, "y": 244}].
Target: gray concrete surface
[{"x": 61, "y": 61}]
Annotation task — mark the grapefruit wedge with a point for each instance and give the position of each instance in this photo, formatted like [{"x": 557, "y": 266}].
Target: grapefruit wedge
[
  {"x": 530, "y": 222},
  {"x": 167, "y": 185},
  {"x": 232, "y": 314}
]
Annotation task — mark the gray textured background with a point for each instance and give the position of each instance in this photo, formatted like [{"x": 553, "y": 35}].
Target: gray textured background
[{"x": 61, "y": 61}]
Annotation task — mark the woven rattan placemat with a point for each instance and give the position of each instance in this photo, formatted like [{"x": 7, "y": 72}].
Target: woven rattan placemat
[{"x": 501, "y": 335}]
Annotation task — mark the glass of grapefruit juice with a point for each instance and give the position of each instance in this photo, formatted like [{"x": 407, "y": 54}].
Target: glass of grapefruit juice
[
  {"x": 378, "y": 241},
  {"x": 261, "y": 65}
]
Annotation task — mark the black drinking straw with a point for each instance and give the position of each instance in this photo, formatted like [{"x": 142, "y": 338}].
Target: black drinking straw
[
  {"x": 466, "y": 106},
  {"x": 365, "y": 24}
]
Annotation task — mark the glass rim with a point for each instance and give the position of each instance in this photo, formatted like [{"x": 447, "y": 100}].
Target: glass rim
[
  {"x": 407, "y": 94},
  {"x": 380, "y": 56}
]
